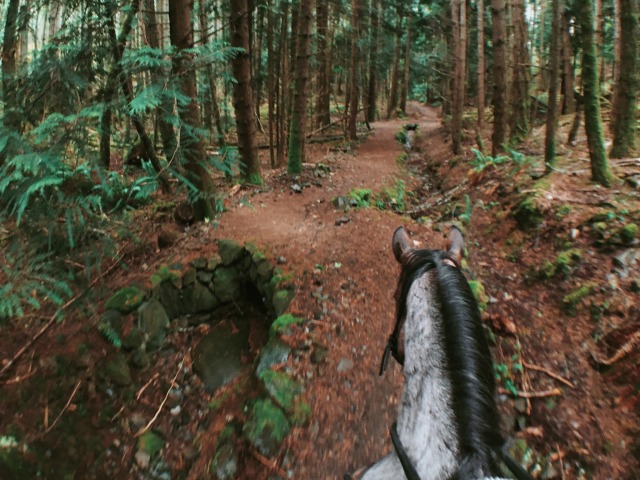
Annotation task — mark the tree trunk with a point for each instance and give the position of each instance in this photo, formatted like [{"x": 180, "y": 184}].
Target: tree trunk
[
  {"x": 372, "y": 95},
  {"x": 625, "y": 118},
  {"x": 181, "y": 35},
  {"x": 542, "y": 80},
  {"x": 271, "y": 82},
  {"x": 600, "y": 169},
  {"x": 480, "y": 76},
  {"x": 393, "y": 95},
  {"x": 458, "y": 16},
  {"x": 552, "y": 105},
  {"x": 353, "y": 103},
  {"x": 152, "y": 37},
  {"x": 499, "y": 76},
  {"x": 617, "y": 42},
  {"x": 242, "y": 92},
  {"x": 568, "y": 96},
  {"x": 9, "y": 52},
  {"x": 297, "y": 130},
  {"x": 284, "y": 86},
  {"x": 407, "y": 66},
  {"x": 323, "y": 106},
  {"x": 211, "y": 81},
  {"x": 520, "y": 93}
]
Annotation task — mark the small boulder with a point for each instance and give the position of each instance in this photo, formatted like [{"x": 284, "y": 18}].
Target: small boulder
[
  {"x": 197, "y": 298},
  {"x": 154, "y": 321},
  {"x": 226, "y": 283},
  {"x": 266, "y": 427},
  {"x": 229, "y": 251},
  {"x": 126, "y": 299},
  {"x": 117, "y": 370}
]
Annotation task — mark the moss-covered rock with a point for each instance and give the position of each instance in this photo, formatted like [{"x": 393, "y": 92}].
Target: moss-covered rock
[
  {"x": 226, "y": 283},
  {"x": 629, "y": 232},
  {"x": 528, "y": 214},
  {"x": 301, "y": 413},
  {"x": 166, "y": 274},
  {"x": 282, "y": 388},
  {"x": 570, "y": 300},
  {"x": 266, "y": 427},
  {"x": 274, "y": 352},
  {"x": 284, "y": 323},
  {"x": 565, "y": 261},
  {"x": 151, "y": 443},
  {"x": 281, "y": 301},
  {"x": 230, "y": 251},
  {"x": 154, "y": 322},
  {"x": 189, "y": 277},
  {"x": 479, "y": 294},
  {"x": 213, "y": 262},
  {"x": 117, "y": 370},
  {"x": 197, "y": 298},
  {"x": 134, "y": 339},
  {"x": 225, "y": 462},
  {"x": 546, "y": 271},
  {"x": 199, "y": 263},
  {"x": 170, "y": 297},
  {"x": 126, "y": 299}
]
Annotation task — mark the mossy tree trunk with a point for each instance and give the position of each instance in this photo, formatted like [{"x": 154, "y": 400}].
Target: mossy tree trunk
[
  {"x": 9, "y": 53},
  {"x": 393, "y": 93},
  {"x": 552, "y": 105},
  {"x": 407, "y": 66},
  {"x": 297, "y": 130},
  {"x": 625, "y": 117},
  {"x": 243, "y": 92},
  {"x": 499, "y": 76},
  {"x": 600, "y": 169},
  {"x": 181, "y": 35},
  {"x": 323, "y": 106},
  {"x": 458, "y": 16},
  {"x": 353, "y": 99},
  {"x": 520, "y": 97}
]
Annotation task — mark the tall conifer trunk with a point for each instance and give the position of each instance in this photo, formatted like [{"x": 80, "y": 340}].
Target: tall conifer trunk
[
  {"x": 481, "y": 74},
  {"x": 9, "y": 53},
  {"x": 499, "y": 76},
  {"x": 552, "y": 104},
  {"x": 242, "y": 92},
  {"x": 353, "y": 100},
  {"x": 323, "y": 106},
  {"x": 297, "y": 130},
  {"x": 372, "y": 95},
  {"x": 600, "y": 169}
]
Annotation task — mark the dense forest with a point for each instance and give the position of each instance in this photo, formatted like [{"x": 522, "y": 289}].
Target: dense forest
[{"x": 112, "y": 108}]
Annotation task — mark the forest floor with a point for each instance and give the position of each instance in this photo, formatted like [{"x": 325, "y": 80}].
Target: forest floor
[{"x": 575, "y": 416}]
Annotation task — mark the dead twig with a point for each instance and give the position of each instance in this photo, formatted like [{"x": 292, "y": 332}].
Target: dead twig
[
  {"x": 548, "y": 372},
  {"x": 554, "y": 392},
  {"x": 164, "y": 400},
  {"x": 144, "y": 387},
  {"x": 53, "y": 318},
  {"x": 270, "y": 465},
  {"x": 623, "y": 351},
  {"x": 66, "y": 406}
]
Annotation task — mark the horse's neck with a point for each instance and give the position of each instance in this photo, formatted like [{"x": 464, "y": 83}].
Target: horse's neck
[{"x": 426, "y": 424}]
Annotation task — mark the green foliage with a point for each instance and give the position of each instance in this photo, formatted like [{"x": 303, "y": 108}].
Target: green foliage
[
  {"x": 362, "y": 196},
  {"x": 483, "y": 161},
  {"x": 466, "y": 216},
  {"x": 30, "y": 281},
  {"x": 108, "y": 332}
]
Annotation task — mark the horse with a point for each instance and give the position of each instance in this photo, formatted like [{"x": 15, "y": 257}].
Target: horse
[{"x": 448, "y": 423}]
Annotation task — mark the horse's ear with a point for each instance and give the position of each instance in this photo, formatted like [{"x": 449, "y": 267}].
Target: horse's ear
[
  {"x": 456, "y": 243},
  {"x": 400, "y": 242}
]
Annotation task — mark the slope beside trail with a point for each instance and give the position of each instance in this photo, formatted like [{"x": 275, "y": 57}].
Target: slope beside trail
[{"x": 346, "y": 277}]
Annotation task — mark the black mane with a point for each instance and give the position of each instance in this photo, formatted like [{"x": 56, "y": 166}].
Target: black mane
[{"x": 467, "y": 356}]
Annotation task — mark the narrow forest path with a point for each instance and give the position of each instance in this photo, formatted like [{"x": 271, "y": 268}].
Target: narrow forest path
[{"x": 346, "y": 278}]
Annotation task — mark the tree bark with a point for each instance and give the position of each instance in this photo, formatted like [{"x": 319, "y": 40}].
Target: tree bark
[
  {"x": 407, "y": 65},
  {"x": 9, "y": 53},
  {"x": 181, "y": 35},
  {"x": 520, "y": 92},
  {"x": 458, "y": 16},
  {"x": 393, "y": 95},
  {"x": 568, "y": 95},
  {"x": 499, "y": 75},
  {"x": 323, "y": 106},
  {"x": 284, "y": 86},
  {"x": 481, "y": 74},
  {"x": 297, "y": 130},
  {"x": 211, "y": 81},
  {"x": 600, "y": 169},
  {"x": 353, "y": 103},
  {"x": 372, "y": 95},
  {"x": 625, "y": 118},
  {"x": 242, "y": 92},
  {"x": 552, "y": 105},
  {"x": 271, "y": 82}
]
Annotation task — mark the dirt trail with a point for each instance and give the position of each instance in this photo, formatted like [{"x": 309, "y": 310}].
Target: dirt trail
[{"x": 351, "y": 300}]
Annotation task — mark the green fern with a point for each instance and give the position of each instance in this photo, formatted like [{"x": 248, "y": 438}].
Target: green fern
[{"x": 109, "y": 333}]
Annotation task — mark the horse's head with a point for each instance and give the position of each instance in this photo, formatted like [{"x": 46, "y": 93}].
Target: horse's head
[{"x": 402, "y": 249}]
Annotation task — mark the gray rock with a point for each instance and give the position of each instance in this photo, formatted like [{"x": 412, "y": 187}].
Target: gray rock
[
  {"x": 189, "y": 277},
  {"x": 344, "y": 365},
  {"x": 154, "y": 321},
  {"x": 342, "y": 221},
  {"x": 230, "y": 251},
  {"x": 142, "y": 459},
  {"x": 281, "y": 300},
  {"x": 140, "y": 359},
  {"x": 296, "y": 188},
  {"x": 204, "y": 277},
  {"x": 274, "y": 352},
  {"x": 340, "y": 204},
  {"x": 170, "y": 298},
  {"x": 117, "y": 370},
  {"x": 319, "y": 354},
  {"x": 134, "y": 340},
  {"x": 199, "y": 263},
  {"x": 197, "y": 298},
  {"x": 213, "y": 262},
  {"x": 114, "y": 318},
  {"x": 226, "y": 283},
  {"x": 225, "y": 463}
]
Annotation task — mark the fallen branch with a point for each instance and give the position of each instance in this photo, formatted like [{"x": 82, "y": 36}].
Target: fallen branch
[
  {"x": 164, "y": 400},
  {"x": 548, "y": 372},
  {"x": 73, "y": 394},
  {"x": 623, "y": 351},
  {"x": 554, "y": 392},
  {"x": 144, "y": 387},
  {"x": 269, "y": 464},
  {"x": 53, "y": 318}
]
